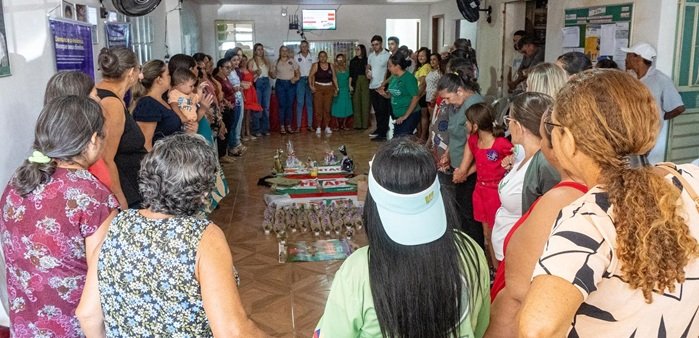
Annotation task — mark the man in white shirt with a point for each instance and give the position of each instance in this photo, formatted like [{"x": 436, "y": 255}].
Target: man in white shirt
[
  {"x": 376, "y": 73},
  {"x": 639, "y": 59},
  {"x": 303, "y": 92}
]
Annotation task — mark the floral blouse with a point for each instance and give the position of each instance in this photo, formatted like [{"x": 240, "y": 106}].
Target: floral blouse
[
  {"x": 43, "y": 239},
  {"x": 146, "y": 277}
]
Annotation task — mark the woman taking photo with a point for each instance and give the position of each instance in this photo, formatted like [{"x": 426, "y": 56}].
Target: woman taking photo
[
  {"x": 287, "y": 71},
  {"x": 403, "y": 92},
  {"x": 622, "y": 260},
  {"x": 323, "y": 85},
  {"x": 124, "y": 145},
  {"x": 55, "y": 214},
  {"x": 179, "y": 269},
  {"x": 413, "y": 241},
  {"x": 261, "y": 68},
  {"x": 359, "y": 87},
  {"x": 342, "y": 103},
  {"x": 152, "y": 113}
]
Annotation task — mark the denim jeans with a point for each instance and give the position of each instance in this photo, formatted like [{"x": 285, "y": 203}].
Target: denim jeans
[
  {"x": 260, "y": 120},
  {"x": 234, "y": 131},
  {"x": 408, "y": 126},
  {"x": 304, "y": 96},
  {"x": 285, "y": 96}
]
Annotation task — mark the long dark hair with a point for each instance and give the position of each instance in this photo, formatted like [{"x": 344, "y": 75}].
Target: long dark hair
[
  {"x": 63, "y": 131},
  {"x": 417, "y": 290},
  {"x": 427, "y": 54},
  {"x": 363, "y": 49}
]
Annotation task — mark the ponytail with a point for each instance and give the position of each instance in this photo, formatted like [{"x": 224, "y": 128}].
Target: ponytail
[
  {"x": 32, "y": 174},
  {"x": 482, "y": 115},
  {"x": 654, "y": 244}
]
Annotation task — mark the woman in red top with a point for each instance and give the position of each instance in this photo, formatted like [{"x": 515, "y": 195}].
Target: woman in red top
[
  {"x": 488, "y": 146},
  {"x": 523, "y": 248}
]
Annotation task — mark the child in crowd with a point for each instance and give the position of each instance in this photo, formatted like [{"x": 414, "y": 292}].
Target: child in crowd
[
  {"x": 249, "y": 97},
  {"x": 182, "y": 98},
  {"x": 489, "y": 146}
]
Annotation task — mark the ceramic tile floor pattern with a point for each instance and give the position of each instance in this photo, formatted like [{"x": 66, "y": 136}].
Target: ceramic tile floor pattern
[{"x": 285, "y": 300}]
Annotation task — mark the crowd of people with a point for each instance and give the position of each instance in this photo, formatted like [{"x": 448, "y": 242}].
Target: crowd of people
[{"x": 548, "y": 221}]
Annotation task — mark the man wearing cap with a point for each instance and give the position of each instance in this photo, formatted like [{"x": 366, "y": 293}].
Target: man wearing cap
[{"x": 639, "y": 59}]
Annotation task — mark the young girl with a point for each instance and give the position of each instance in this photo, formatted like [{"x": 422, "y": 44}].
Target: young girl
[
  {"x": 249, "y": 97},
  {"x": 489, "y": 146}
]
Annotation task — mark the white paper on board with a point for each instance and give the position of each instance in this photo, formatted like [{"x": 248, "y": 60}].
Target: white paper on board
[
  {"x": 607, "y": 40},
  {"x": 571, "y": 36}
]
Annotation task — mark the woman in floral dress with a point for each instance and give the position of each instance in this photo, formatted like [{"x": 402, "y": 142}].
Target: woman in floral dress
[{"x": 54, "y": 215}]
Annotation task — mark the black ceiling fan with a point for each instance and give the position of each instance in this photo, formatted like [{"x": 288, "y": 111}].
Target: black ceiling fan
[
  {"x": 471, "y": 10},
  {"x": 134, "y": 7}
]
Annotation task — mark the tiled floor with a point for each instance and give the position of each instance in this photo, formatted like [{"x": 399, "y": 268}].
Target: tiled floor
[{"x": 285, "y": 300}]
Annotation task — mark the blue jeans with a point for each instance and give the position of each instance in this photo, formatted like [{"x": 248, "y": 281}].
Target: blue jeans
[
  {"x": 234, "y": 131},
  {"x": 260, "y": 120},
  {"x": 285, "y": 96},
  {"x": 304, "y": 95},
  {"x": 408, "y": 126}
]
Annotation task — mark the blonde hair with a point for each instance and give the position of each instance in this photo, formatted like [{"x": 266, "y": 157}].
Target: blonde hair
[
  {"x": 546, "y": 78},
  {"x": 611, "y": 115}
]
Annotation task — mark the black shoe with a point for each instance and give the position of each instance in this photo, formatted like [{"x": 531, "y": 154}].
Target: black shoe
[{"x": 378, "y": 139}]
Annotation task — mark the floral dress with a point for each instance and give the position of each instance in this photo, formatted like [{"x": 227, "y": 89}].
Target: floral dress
[
  {"x": 43, "y": 239},
  {"x": 146, "y": 277}
]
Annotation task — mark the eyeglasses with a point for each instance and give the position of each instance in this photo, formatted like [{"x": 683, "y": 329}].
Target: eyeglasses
[{"x": 548, "y": 125}]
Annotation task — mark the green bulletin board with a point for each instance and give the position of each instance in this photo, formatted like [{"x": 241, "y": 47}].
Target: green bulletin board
[{"x": 592, "y": 20}]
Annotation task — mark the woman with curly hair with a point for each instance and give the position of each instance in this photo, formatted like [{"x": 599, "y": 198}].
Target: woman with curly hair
[{"x": 621, "y": 260}]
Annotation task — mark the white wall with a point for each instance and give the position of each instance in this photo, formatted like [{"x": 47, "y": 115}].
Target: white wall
[
  {"x": 654, "y": 22},
  {"x": 354, "y": 22},
  {"x": 32, "y": 64}
]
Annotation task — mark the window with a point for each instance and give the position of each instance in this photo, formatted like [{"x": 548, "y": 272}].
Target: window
[
  {"x": 231, "y": 34},
  {"x": 143, "y": 36}
]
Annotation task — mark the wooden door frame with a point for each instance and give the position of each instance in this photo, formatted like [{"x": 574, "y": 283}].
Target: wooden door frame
[{"x": 435, "y": 32}]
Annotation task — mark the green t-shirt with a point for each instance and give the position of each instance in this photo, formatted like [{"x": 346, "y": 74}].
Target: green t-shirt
[
  {"x": 349, "y": 311},
  {"x": 457, "y": 130},
  {"x": 402, "y": 88}
]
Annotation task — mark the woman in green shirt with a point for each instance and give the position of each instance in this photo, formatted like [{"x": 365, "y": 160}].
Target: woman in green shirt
[
  {"x": 403, "y": 92},
  {"x": 405, "y": 283}
]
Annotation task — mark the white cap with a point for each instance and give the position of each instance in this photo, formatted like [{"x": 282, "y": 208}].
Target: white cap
[
  {"x": 410, "y": 219},
  {"x": 643, "y": 50}
]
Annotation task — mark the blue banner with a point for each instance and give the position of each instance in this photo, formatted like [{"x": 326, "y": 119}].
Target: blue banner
[
  {"x": 72, "y": 43},
  {"x": 118, "y": 34}
]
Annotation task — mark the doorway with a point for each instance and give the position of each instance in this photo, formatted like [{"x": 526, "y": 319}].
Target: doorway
[
  {"x": 466, "y": 30},
  {"x": 406, "y": 30},
  {"x": 437, "y": 33}
]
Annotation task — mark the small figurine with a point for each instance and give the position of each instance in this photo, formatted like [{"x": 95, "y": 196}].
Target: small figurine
[
  {"x": 278, "y": 167},
  {"x": 291, "y": 160},
  {"x": 330, "y": 158},
  {"x": 268, "y": 220},
  {"x": 347, "y": 163}
]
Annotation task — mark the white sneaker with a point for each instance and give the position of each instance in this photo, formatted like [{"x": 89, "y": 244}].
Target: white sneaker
[
  {"x": 318, "y": 131},
  {"x": 328, "y": 130}
]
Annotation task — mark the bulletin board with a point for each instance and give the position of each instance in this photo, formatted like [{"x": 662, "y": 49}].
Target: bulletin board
[{"x": 599, "y": 32}]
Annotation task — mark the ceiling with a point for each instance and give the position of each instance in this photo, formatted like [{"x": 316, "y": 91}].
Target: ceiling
[{"x": 315, "y": 2}]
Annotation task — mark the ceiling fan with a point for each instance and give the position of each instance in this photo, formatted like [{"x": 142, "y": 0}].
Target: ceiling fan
[{"x": 134, "y": 7}]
